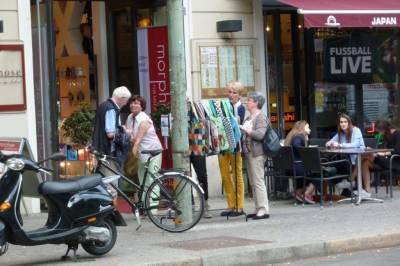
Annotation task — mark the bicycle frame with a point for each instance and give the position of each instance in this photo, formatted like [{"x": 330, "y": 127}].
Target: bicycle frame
[
  {"x": 140, "y": 188},
  {"x": 167, "y": 196}
]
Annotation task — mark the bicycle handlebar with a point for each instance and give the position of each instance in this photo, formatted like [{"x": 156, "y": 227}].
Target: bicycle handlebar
[
  {"x": 105, "y": 156},
  {"x": 100, "y": 155}
]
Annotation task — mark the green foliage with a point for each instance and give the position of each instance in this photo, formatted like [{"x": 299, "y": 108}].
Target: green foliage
[
  {"x": 79, "y": 125},
  {"x": 159, "y": 109}
]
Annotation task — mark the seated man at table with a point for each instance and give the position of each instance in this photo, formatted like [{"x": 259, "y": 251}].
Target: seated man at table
[
  {"x": 348, "y": 136},
  {"x": 380, "y": 161}
]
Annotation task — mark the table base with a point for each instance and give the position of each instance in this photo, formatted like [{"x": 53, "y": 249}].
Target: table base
[{"x": 360, "y": 199}]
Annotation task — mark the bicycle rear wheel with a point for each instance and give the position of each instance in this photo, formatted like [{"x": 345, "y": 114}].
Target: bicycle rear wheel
[{"x": 174, "y": 202}]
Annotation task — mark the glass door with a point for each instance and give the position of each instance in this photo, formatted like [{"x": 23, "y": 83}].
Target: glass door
[{"x": 285, "y": 78}]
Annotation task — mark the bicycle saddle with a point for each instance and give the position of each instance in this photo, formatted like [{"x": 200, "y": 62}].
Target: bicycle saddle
[{"x": 80, "y": 183}]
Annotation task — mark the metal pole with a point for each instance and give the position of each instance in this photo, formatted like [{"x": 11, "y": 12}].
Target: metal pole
[
  {"x": 180, "y": 142},
  {"x": 52, "y": 88}
]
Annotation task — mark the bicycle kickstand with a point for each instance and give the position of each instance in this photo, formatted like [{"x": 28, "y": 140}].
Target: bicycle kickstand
[{"x": 137, "y": 215}]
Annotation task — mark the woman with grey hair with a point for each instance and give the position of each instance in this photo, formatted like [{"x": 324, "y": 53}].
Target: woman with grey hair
[{"x": 254, "y": 128}]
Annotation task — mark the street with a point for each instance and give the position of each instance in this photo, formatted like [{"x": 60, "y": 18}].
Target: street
[
  {"x": 386, "y": 256},
  {"x": 292, "y": 232}
]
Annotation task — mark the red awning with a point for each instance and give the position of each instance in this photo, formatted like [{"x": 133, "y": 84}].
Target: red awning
[{"x": 348, "y": 13}]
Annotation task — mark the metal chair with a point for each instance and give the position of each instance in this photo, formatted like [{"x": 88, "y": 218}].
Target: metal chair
[
  {"x": 317, "y": 141},
  {"x": 378, "y": 173},
  {"x": 284, "y": 167},
  {"x": 318, "y": 171}
]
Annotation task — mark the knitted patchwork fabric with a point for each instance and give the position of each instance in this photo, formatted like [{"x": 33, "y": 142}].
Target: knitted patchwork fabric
[
  {"x": 227, "y": 125},
  {"x": 229, "y": 112},
  {"x": 216, "y": 127},
  {"x": 197, "y": 138}
]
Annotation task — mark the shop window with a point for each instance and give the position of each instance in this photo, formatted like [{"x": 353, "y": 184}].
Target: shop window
[
  {"x": 222, "y": 64},
  {"x": 380, "y": 101},
  {"x": 332, "y": 99},
  {"x": 359, "y": 67}
]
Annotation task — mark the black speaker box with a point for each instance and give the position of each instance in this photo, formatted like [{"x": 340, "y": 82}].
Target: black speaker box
[{"x": 229, "y": 25}]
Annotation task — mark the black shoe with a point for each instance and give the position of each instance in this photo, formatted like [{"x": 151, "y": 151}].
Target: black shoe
[
  {"x": 235, "y": 213},
  {"x": 225, "y": 213},
  {"x": 265, "y": 216},
  {"x": 251, "y": 215},
  {"x": 346, "y": 193}
]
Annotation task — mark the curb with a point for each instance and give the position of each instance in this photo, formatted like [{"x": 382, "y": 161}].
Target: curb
[{"x": 264, "y": 254}]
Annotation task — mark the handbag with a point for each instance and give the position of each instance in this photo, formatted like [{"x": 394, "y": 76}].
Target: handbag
[
  {"x": 329, "y": 171},
  {"x": 130, "y": 168},
  {"x": 271, "y": 144},
  {"x": 122, "y": 139},
  {"x": 122, "y": 142}
]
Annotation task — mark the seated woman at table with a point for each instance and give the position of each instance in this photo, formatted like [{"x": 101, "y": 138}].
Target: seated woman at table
[
  {"x": 348, "y": 136},
  {"x": 298, "y": 137},
  {"x": 380, "y": 161}
]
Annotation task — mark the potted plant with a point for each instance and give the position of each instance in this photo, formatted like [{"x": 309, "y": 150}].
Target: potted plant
[{"x": 78, "y": 127}]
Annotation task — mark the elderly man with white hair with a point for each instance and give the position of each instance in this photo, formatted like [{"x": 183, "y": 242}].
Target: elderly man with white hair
[{"x": 108, "y": 119}]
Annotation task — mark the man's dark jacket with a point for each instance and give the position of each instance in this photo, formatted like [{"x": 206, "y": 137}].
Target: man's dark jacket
[{"x": 100, "y": 140}]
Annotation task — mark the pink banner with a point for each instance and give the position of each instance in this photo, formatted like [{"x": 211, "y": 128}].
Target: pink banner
[
  {"x": 154, "y": 74},
  {"x": 158, "y": 66},
  {"x": 351, "y": 20}
]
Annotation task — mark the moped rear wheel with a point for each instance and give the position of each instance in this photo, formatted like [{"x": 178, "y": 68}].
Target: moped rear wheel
[{"x": 99, "y": 248}]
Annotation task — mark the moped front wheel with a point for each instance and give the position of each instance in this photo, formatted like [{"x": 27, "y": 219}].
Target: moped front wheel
[
  {"x": 100, "y": 248},
  {"x": 3, "y": 248}
]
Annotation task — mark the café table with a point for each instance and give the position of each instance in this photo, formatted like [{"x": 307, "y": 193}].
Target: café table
[{"x": 359, "y": 152}]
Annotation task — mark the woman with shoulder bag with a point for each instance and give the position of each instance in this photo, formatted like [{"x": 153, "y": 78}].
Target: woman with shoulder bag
[{"x": 254, "y": 128}]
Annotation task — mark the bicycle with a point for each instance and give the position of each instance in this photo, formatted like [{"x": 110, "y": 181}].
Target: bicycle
[{"x": 173, "y": 201}]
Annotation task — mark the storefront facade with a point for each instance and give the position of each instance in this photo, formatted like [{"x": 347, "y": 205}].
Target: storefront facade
[
  {"x": 308, "y": 67},
  {"x": 332, "y": 57},
  {"x": 17, "y": 100},
  {"x": 60, "y": 58},
  {"x": 16, "y": 32}
]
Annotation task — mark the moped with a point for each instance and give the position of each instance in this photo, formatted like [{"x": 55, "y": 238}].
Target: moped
[{"x": 80, "y": 211}]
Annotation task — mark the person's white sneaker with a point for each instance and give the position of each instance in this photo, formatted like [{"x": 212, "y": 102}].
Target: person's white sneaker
[
  {"x": 206, "y": 213},
  {"x": 343, "y": 184},
  {"x": 363, "y": 194}
]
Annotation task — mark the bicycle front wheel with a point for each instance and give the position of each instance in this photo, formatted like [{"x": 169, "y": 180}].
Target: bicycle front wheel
[{"x": 174, "y": 202}]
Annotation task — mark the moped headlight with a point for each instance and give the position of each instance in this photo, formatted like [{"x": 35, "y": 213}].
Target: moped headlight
[{"x": 15, "y": 164}]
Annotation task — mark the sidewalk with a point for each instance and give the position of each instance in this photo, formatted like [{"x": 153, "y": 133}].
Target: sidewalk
[{"x": 292, "y": 232}]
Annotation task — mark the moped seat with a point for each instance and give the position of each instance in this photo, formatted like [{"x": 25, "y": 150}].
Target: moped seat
[{"x": 77, "y": 184}]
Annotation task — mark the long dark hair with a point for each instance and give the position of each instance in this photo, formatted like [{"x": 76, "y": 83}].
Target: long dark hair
[
  {"x": 385, "y": 126},
  {"x": 349, "y": 130}
]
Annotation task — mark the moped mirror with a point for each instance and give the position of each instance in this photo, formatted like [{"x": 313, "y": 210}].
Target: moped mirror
[{"x": 58, "y": 156}]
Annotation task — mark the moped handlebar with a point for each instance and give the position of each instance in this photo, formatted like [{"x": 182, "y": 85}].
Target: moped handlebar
[
  {"x": 5, "y": 157},
  {"x": 30, "y": 164}
]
